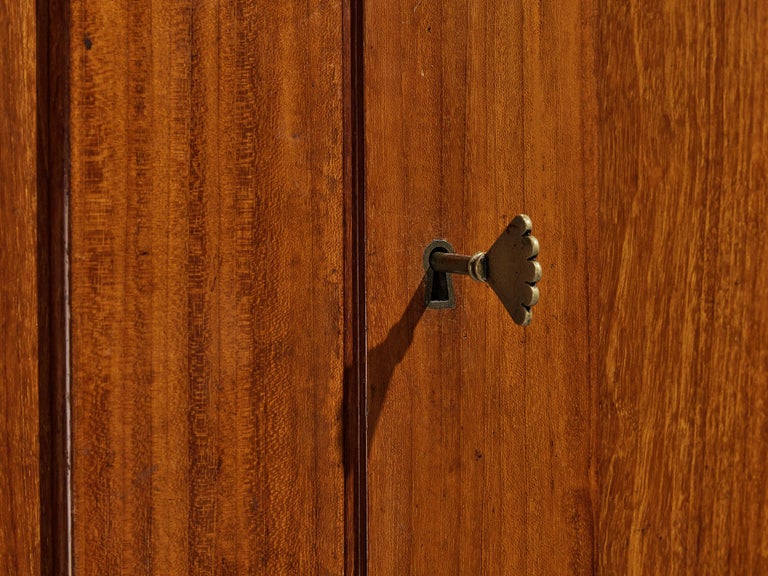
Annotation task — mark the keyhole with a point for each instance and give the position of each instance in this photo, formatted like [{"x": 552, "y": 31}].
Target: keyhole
[{"x": 439, "y": 286}]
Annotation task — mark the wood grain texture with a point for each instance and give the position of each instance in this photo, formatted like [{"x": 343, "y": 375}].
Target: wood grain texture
[
  {"x": 20, "y": 541},
  {"x": 207, "y": 287},
  {"x": 683, "y": 301},
  {"x": 481, "y": 453}
]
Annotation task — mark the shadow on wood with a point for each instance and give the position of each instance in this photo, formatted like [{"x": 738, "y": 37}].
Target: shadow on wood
[{"x": 384, "y": 358}]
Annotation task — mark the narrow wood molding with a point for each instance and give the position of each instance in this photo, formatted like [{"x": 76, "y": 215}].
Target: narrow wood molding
[
  {"x": 355, "y": 343},
  {"x": 52, "y": 80}
]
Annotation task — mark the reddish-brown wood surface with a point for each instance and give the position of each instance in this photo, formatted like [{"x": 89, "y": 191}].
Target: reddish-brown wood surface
[
  {"x": 481, "y": 458},
  {"x": 20, "y": 531},
  {"x": 623, "y": 432},
  {"x": 207, "y": 287},
  {"x": 683, "y": 444}
]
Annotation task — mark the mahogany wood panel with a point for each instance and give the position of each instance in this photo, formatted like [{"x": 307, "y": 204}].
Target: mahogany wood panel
[
  {"x": 481, "y": 432},
  {"x": 207, "y": 287},
  {"x": 683, "y": 305},
  {"x": 20, "y": 488}
]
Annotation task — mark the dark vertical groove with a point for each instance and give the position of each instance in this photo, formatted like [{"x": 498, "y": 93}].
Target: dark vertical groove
[
  {"x": 52, "y": 50},
  {"x": 355, "y": 343}
]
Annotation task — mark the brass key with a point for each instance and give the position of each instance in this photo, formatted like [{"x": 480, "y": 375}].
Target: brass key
[{"x": 509, "y": 267}]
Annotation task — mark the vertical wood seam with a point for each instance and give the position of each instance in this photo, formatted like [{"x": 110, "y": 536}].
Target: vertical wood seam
[
  {"x": 355, "y": 341},
  {"x": 53, "y": 153}
]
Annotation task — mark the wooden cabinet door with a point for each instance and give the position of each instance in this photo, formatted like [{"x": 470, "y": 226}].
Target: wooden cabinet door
[
  {"x": 481, "y": 455},
  {"x": 173, "y": 311},
  {"x": 624, "y": 430}
]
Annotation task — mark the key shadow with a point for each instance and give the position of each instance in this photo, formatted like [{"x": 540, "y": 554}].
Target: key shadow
[{"x": 385, "y": 357}]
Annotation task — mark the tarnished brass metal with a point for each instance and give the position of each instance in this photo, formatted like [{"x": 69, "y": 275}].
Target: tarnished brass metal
[
  {"x": 509, "y": 267},
  {"x": 513, "y": 270},
  {"x": 439, "y": 287}
]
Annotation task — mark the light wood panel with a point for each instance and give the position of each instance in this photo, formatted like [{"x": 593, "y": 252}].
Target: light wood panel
[
  {"x": 20, "y": 488},
  {"x": 207, "y": 287},
  {"x": 481, "y": 432},
  {"x": 683, "y": 301}
]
